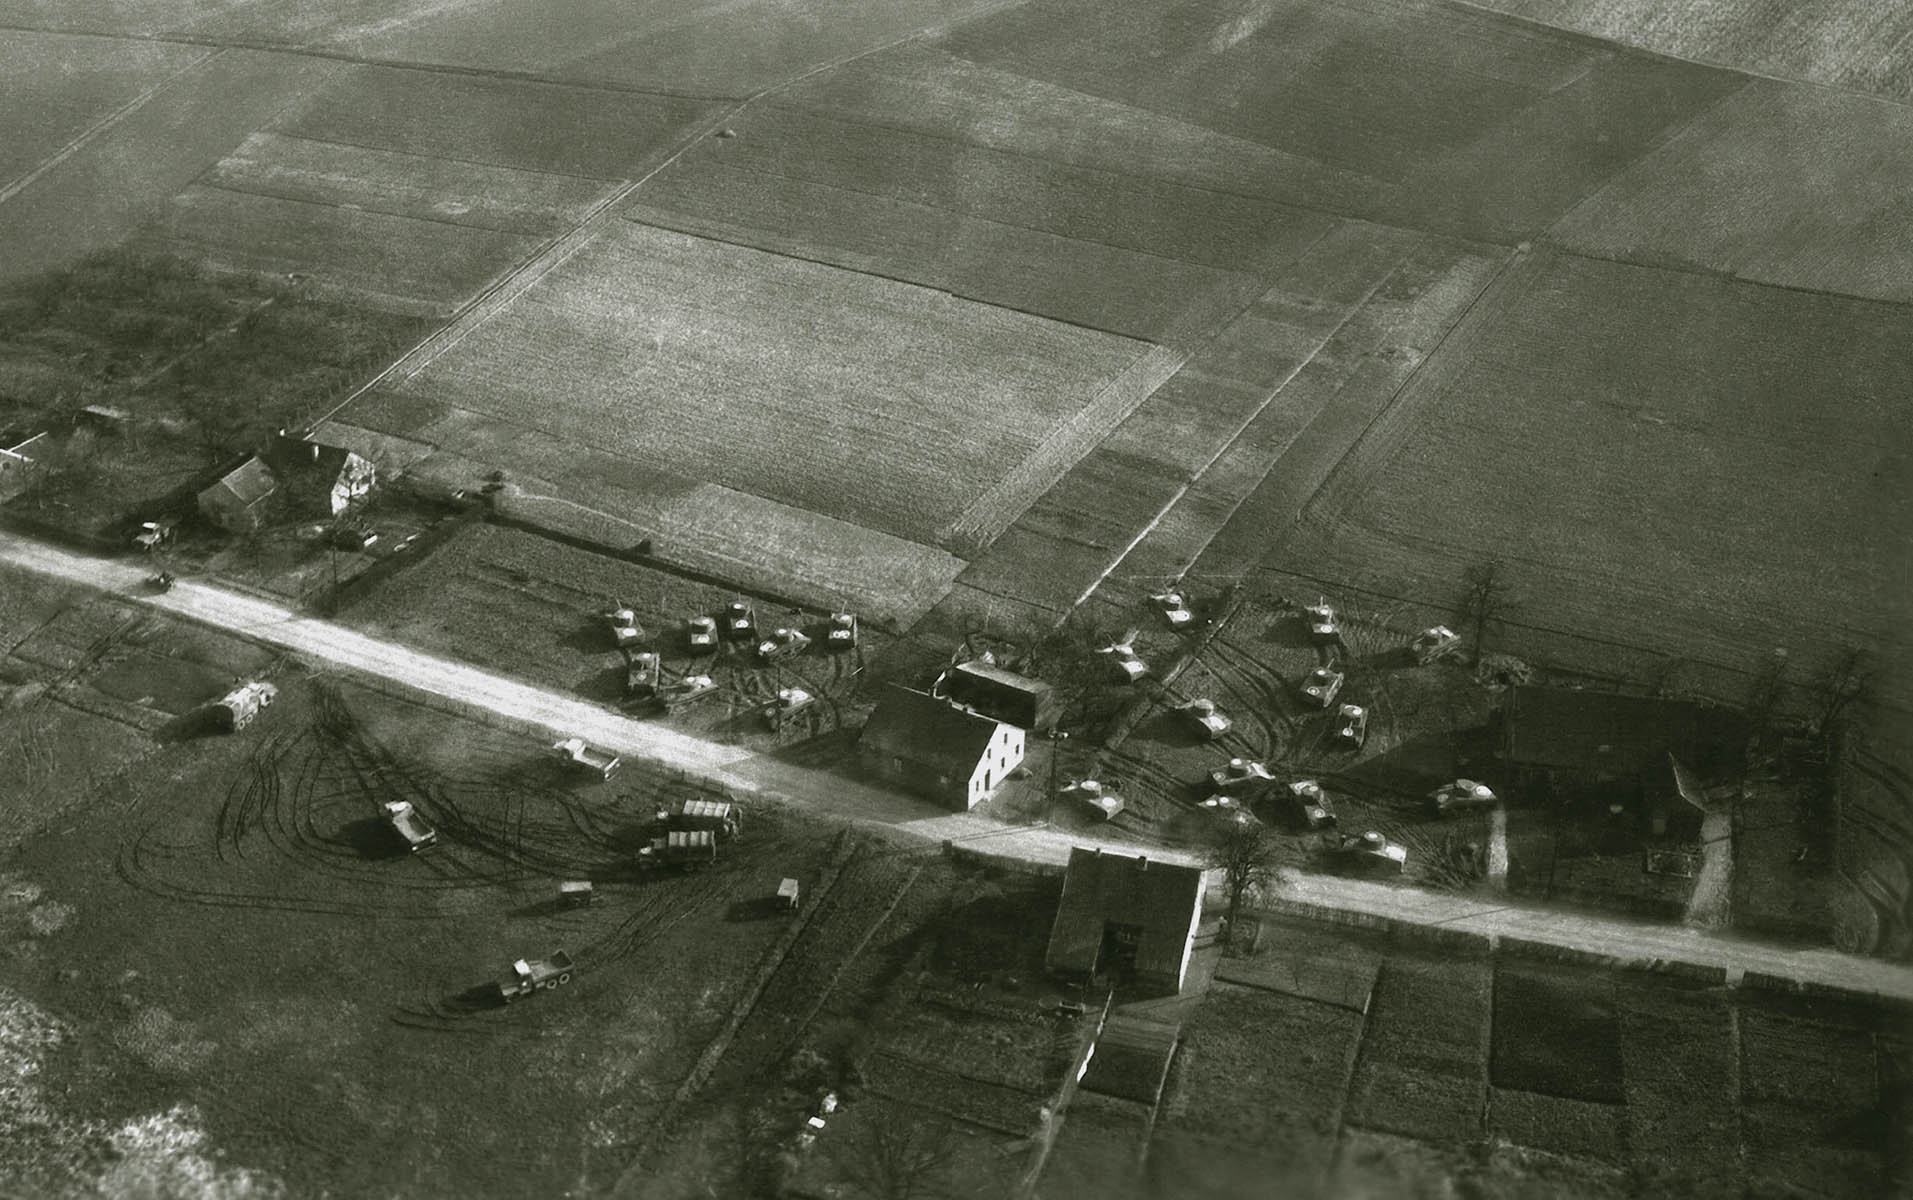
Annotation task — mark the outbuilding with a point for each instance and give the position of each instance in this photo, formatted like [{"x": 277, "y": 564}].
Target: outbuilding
[
  {"x": 237, "y": 502},
  {"x": 1127, "y": 919},
  {"x": 989, "y": 689},
  {"x": 321, "y": 479},
  {"x": 940, "y": 750}
]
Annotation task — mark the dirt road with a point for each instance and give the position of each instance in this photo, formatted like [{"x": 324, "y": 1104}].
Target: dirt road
[{"x": 541, "y": 713}]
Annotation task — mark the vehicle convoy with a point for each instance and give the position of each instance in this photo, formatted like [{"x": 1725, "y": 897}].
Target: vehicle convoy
[
  {"x": 535, "y": 975},
  {"x": 1123, "y": 660},
  {"x": 740, "y": 621},
  {"x": 782, "y": 643},
  {"x": 1208, "y": 721},
  {"x": 1433, "y": 643},
  {"x": 1460, "y": 795},
  {"x": 1240, "y": 775},
  {"x": 641, "y": 672},
  {"x": 1321, "y": 686},
  {"x": 577, "y": 753},
  {"x": 1351, "y": 727},
  {"x": 1309, "y": 806},
  {"x": 700, "y": 634},
  {"x": 721, "y": 817},
  {"x": 840, "y": 633},
  {"x": 1369, "y": 853},
  {"x": 411, "y": 828},
  {"x": 623, "y": 623},
  {"x": 685, "y": 849},
  {"x": 1174, "y": 609},
  {"x": 786, "y": 704}
]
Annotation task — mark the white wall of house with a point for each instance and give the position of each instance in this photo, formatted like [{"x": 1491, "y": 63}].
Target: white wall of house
[{"x": 999, "y": 758}]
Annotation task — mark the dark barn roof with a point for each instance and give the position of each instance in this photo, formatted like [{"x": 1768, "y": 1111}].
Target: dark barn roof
[
  {"x": 921, "y": 728},
  {"x": 1160, "y": 898},
  {"x": 1601, "y": 733},
  {"x": 249, "y": 482},
  {"x": 997, "y": 676}
]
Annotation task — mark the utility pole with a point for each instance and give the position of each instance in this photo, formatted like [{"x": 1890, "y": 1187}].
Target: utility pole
[{"x": 1057, "y": 738}]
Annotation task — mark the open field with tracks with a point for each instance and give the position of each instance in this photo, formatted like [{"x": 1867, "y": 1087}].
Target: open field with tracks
[
  {"x": 785, "y": 379},
  {"x": 1725, "y": 515}
]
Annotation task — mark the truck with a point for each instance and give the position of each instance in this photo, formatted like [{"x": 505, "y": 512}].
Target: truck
[
  {"x": 719, "y": 816},
  {"x": 237, "y": 708},
  {"x": 576, "y": 752},
  {"x": 686, "y": 849},
  {"x": 411, "y": 828},
  {"x": 535, "y": 975}
]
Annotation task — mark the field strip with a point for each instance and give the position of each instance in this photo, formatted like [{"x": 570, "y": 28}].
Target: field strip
[
  {"x": 1269, "y": 398},
  {"x": 1318, "y": 897},
  {"x": 93, "y": 131}
]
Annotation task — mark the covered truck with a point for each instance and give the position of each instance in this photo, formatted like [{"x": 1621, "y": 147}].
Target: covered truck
[{"x": 686, "y": 849}]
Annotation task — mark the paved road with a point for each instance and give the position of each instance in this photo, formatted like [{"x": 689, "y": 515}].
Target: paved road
[{"x": 543, "y": 713}]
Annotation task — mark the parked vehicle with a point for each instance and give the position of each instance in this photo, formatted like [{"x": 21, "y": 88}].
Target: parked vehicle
[
  {"x": 685, "y": 690},
  {"x": 789, "y": 895},
  {"x": 154, "y": 535},
  {"x": 1323, "y": 627},
  {"x": 576, "y": 753},
  {"x": 740, "y": 621},
  {"x": 162, "y": 582},
  {"x": 1322, "y": 685},
  {"x": 623, "y": 623},
  {"x": 641, "y": 671},
  {"x": 840, "y": 633},
  {"x": 700, "y": 634},
  {"x": 685, "y": 849},
  {"x": 1094, "y": 794},
  {"x": 1123, "y": 659},
  {"x": 1351, "y": 727},
  {"x": 1240, "y": 775},
  {"x": 719, "y": 816},
  {"x": 1208, "y": 721},
  {"x": 535, "y": 975},
  {"x": 786, "y": 704},
  {"x": 1228, "y": 808},
  {"x": 239, "y": 707},
  {"x": 1433, "y": 643},
  {"x": 1369, "y": 853},
  {"x": 782, "y": 643},
  {"x": 1175, "y": 609},
  {"x": 1461, "y": 795},
  {"x": 1309, "y": 806},
  {"x": 575, "y": 893},
  {"x": 411, "y": 828}
]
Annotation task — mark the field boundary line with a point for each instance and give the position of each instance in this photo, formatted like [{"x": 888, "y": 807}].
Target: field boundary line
[
  {"x": 230, "y": 190},
  {"x": 94, "y": 131},
  {"x": 601, "y": 180},
  {"x": 1195, "y": 477},
  {"x": 846, "y": 852}
]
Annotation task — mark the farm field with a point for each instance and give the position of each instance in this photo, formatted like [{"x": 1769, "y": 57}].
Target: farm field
[
  {"x": 231, "y": 932},
  {"x": 1724, "y": 197},
  {"x": 59, "y": 88},
  {"x": 1692, "y": 385},
  {"x": 706, "y": 360},
  {"x": 1460, "y": 122},
  {"x": 110, "y": 187},
  {"x": 1853, "y": 44}
]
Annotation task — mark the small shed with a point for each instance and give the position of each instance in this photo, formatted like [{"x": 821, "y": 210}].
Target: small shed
[
  {"x": 237, "y": 502},
  {"x": 937, "y": 749},
  {"x": 1126, "y": 918},
  {"x": 1004, "y": 695}
]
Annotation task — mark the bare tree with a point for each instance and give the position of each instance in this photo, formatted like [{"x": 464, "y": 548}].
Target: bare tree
[
  {"x": 1846, "y": 682},
  {"x": 1485, "y": 596},
  {"x": 1246, "y": 855},
  {"x": 894, "y": 1157}
]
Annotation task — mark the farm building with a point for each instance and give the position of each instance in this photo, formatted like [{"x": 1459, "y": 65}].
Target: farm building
[
  {"x": 321, "y": 479},
  {"x": 19, "y": 463},
  {"x": 1563, "y": 735},
  {"x": 937, "y": 749},
  {"x": 989, "y": 689},
  {"x": 237, "y": 502},
  {"x": 1130, "y": 919}
]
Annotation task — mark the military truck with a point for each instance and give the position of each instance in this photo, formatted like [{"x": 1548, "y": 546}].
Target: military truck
[
  {"x": 577, "y": 753},
  {"x": 719, "y": 816},
  {"x": 535, "y": 975},
  {"x": 411, "y": 828},
  {"x": 685, "y": 849}
]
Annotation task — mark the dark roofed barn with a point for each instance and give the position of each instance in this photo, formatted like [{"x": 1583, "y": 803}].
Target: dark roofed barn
[
  {"x": 237, "y": 501},
  {"x": 1567, "y": 736},
  {"x": 1024, "y": 702},
  {"x": 1127, "y": 918},
  {"x": 321, "y": 479},
  {"x": 932, "y": 747}
]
